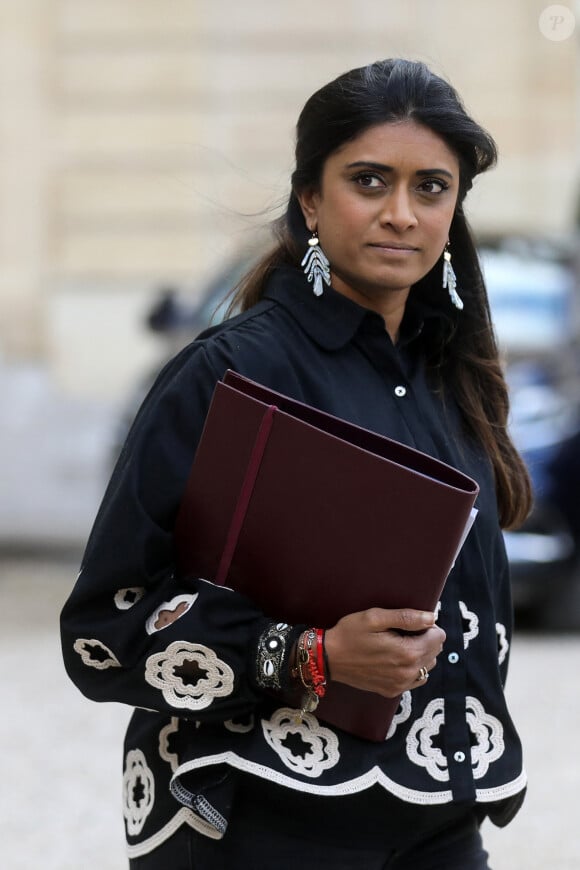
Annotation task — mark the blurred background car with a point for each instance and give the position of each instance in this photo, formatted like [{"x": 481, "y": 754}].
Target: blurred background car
[
  {"x": 533, "y": 296},
  {"x": 534, "y": 302},
  {"x": 177, "y": 320}
]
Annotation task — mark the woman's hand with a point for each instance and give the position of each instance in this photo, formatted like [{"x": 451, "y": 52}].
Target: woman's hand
[{"x": 383, "y": 651}]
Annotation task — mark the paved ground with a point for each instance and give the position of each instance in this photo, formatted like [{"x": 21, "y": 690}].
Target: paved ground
[
  {"x": 59, "y": 767},
  {"x": 61, "y": 754}
]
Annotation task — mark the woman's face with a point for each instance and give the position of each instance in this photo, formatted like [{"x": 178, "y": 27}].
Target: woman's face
[{"x": 383, "y": 210}]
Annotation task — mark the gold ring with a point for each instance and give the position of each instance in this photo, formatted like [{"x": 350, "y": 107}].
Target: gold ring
[{"x": 423, "y": 675}]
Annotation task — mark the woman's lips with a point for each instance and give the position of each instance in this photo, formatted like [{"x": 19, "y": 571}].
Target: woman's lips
[{"x": 393, "y": 247}]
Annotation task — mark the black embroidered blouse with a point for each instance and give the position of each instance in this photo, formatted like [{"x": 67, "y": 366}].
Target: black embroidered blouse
[{"x": 452, "y": 738}]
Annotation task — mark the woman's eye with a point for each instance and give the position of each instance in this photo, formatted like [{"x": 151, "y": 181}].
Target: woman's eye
[
  {"x": 433, "y": 185},
  {"x": 367, "y": 179}
]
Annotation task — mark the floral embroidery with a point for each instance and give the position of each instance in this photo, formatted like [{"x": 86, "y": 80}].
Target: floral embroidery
[
  {"x": 402, "y": 714},
  {"x": 240, "y": 725},
  {"x": 168, "y": 743},
  {"x": 472, "y": 621},
  {"x": 305, "y": 747},
  {"x": 168, "y": 612},
  {"x": 189, "y": 675},
  {"x": 95, "y": 654},
  {"x": 126, "y": 598},
  {"x": 164, "y": 741},
  {"x": 502, "y": 642},
  {"x": 488, "y": 732},
  {"x": 487, "y": 739},
  {"x": 138, "y": 791},
  {"x": 420, "y": 748}
]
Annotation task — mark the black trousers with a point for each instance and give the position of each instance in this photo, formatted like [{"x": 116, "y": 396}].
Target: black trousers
[{"x": 279, "y": 829}]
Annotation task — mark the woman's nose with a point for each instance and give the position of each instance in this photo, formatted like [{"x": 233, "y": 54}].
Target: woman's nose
[{"x": 397, "y": 210}]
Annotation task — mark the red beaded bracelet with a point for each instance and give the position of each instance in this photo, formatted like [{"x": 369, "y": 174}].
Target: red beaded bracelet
[
  {"x": 320, "y": 651},
  {"x": 310, "y": 667}
]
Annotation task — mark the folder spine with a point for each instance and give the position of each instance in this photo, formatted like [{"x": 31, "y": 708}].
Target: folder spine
[{"x": 245, "y": 494}]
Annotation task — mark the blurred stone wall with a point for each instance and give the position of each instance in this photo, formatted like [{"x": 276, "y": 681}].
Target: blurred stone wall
[{"x": 143, "y": 141}]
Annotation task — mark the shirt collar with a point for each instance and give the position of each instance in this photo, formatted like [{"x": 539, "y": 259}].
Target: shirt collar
[{"x": 332, "y": 320}]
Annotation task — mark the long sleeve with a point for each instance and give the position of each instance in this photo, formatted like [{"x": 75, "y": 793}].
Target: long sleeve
[{"x": 132, "y": 630}]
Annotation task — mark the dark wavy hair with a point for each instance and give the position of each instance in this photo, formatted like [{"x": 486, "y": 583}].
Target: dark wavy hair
[{"x": 464, "y": 356}]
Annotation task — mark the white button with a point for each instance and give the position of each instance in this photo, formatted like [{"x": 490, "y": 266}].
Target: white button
[
  {"x": 453, "y": 658},
  {"x": 400, "y": 391},
  {"x": 459, "y": 756}
]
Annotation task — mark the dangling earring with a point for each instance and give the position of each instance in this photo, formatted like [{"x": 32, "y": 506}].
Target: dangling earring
[
  {"x": 316, "y": 266},
  {"x": 450, "y": 279}
]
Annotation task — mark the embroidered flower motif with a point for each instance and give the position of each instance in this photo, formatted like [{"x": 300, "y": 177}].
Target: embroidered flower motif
[
  {"x": 305, "y": 747},
  {"x": 164, "y": 741},
  {"x": 95, "y": 654},
  {"x": 472, "y": 621},
  {"x": 420, "y": 744},
  {"x": 502, "y": 642},
  {"x": 486, "y": 739},
  {"x": 402, "y": 714},
  {"x": 167, "y": 739},
  {"x": 138, "y": 791},
  {"x": 126, "y": 598},
  {"x": 189, "y": 675},
  {"x": 169, "y": 612},
  {"x": 488, "y": 733},
  {"x": 240, "y": 725}
]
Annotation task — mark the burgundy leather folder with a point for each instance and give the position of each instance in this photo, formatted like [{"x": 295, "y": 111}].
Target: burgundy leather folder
[{"x": 313, "y": 518}]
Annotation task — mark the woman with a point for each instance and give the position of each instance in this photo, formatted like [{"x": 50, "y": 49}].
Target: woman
[{"x": 218, "y": 773}]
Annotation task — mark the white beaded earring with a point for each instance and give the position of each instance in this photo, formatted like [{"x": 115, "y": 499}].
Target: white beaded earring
[
  {"x": 316, "y": 266},
  {"x": 450, "y": 279}
]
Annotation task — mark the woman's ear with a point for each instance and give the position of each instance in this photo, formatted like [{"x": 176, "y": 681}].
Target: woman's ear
[{"x": 309, "y": 200}]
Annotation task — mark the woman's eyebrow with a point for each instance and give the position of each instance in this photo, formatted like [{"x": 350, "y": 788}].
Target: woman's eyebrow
[
  {"x": 383, "y": 167},
  {"x": 423, "y": 172}
]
